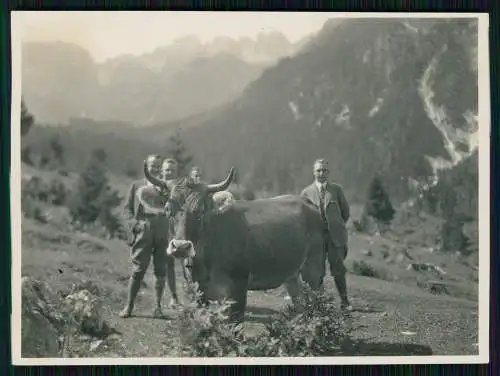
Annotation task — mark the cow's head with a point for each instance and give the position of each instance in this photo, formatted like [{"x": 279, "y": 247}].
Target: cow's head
[{"x": 190, "y": 205}]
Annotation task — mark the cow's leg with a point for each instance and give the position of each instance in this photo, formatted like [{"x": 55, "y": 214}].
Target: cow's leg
[
  {"x": 313, "y": 270},
  {"x": 238, "y": 292},
  {"x": 230, "y": 286},
  {"x": 292, "y": 286},
  {"x": 171, "y": 281}
]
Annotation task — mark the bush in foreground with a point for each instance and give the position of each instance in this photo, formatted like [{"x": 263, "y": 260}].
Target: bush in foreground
[
  {"x": 312, "y": 326},
  {"x": 53, "y": 322}
]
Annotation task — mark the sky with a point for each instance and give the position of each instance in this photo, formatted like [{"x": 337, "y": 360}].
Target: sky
[{"x": 111, "y": 33}]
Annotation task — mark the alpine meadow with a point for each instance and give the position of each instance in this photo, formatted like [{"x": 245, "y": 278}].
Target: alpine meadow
[{"x": 390, "y": 106}]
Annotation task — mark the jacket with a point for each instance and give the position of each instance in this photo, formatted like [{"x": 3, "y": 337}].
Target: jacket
[{"x": 335, "y": 208}]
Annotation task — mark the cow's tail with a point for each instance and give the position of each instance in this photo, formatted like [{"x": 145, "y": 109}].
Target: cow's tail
[{"x": 311, "y": 268}]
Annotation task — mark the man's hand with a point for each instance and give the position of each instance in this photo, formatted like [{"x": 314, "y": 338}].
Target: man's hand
[{"x": 168, "y": 209}]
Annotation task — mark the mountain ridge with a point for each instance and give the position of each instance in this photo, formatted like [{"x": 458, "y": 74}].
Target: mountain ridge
[
  {"x": 357, "y": 100},
  {"x": 396, "y": 98},
  {"x": 61, "y": 80}
]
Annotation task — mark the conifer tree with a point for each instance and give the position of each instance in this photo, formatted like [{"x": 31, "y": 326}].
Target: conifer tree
[
  {"x": 57, "y": 149},
  {"x": 378, "y": 204},
  {"x": 92, "y": 198},
  {"x": 27, "y": 119},
  {"x": 178, "y": 151}
]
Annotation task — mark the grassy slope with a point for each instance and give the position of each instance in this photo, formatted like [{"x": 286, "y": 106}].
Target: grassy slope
[{"x": 444, "y": 324}]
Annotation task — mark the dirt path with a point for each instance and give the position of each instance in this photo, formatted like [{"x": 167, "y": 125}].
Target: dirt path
[{"x": 386, "y": 321}]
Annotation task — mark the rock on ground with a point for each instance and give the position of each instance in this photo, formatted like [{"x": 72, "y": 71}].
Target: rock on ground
[{"x": 40, "y": 323}]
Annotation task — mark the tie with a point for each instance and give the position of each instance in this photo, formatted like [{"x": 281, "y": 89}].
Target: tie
[
  {"x": 322, "y": 192},
  {"x": 322, "y": 202}
]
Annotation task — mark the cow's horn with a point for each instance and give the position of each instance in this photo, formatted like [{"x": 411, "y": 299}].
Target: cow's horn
[
  {"x": 152, "y": 179},
  {"x": 212, "y": 188}
]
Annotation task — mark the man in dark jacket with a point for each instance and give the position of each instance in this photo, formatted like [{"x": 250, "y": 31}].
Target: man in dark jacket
[
  {"x": 148, "y": 237},
  {"x": 335, "y": 212}
]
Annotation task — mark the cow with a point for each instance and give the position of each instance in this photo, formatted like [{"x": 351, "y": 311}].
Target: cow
[{"x": 244, "y": 245}]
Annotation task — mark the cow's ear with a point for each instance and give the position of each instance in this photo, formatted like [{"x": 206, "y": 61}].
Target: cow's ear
[{"x": 222, "y": 202}]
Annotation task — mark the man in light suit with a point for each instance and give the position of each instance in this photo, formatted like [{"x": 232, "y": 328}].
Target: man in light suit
[{"x": 335, "y": 212}]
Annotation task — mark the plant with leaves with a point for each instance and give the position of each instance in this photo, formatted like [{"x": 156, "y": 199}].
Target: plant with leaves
[
  {"x": 312, "y": 326},
  {"x": 205, "y": 331}
]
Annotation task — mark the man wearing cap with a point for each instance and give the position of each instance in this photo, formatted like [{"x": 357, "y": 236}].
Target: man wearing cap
[
  {"x": 335, "y": 212},
  {"x": 148, "y": 237},
  {"x": 195, "y": 174}
]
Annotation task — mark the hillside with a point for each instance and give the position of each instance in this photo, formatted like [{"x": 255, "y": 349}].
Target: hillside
[
  {"x": 80, "y": 139},
  {"x": 61, "y": 81},
  {"x": 371, "y": 96},
  {"x": 397, "y": 310},
  {"x": 399, "y": 307}
]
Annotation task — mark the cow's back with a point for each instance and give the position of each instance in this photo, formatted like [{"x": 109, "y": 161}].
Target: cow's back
[{"x": 279, "y": 230}]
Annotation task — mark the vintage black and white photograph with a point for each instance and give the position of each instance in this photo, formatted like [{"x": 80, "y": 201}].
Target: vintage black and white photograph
[{"x": 250, "y": 187}]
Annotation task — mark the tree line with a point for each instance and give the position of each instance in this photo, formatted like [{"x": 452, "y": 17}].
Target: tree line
[{"x": 93, "y": 199}]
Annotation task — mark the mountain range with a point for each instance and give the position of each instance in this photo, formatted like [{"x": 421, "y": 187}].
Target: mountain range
[
  {"x": 396, "y": 98},
  {"x": 62, "y": 83}
]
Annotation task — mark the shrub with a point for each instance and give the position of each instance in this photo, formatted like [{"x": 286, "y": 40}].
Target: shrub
[
  {"x": 364, "y": 269},
  {"x": 34, "y": 188},
  {"x": 32, "y": 209},
  {"x": 84, "y": 309},
  {"x": 57, "y": 192},
  {"x": 204, "y": 331},
  {"x": 312, "y": 326}
]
